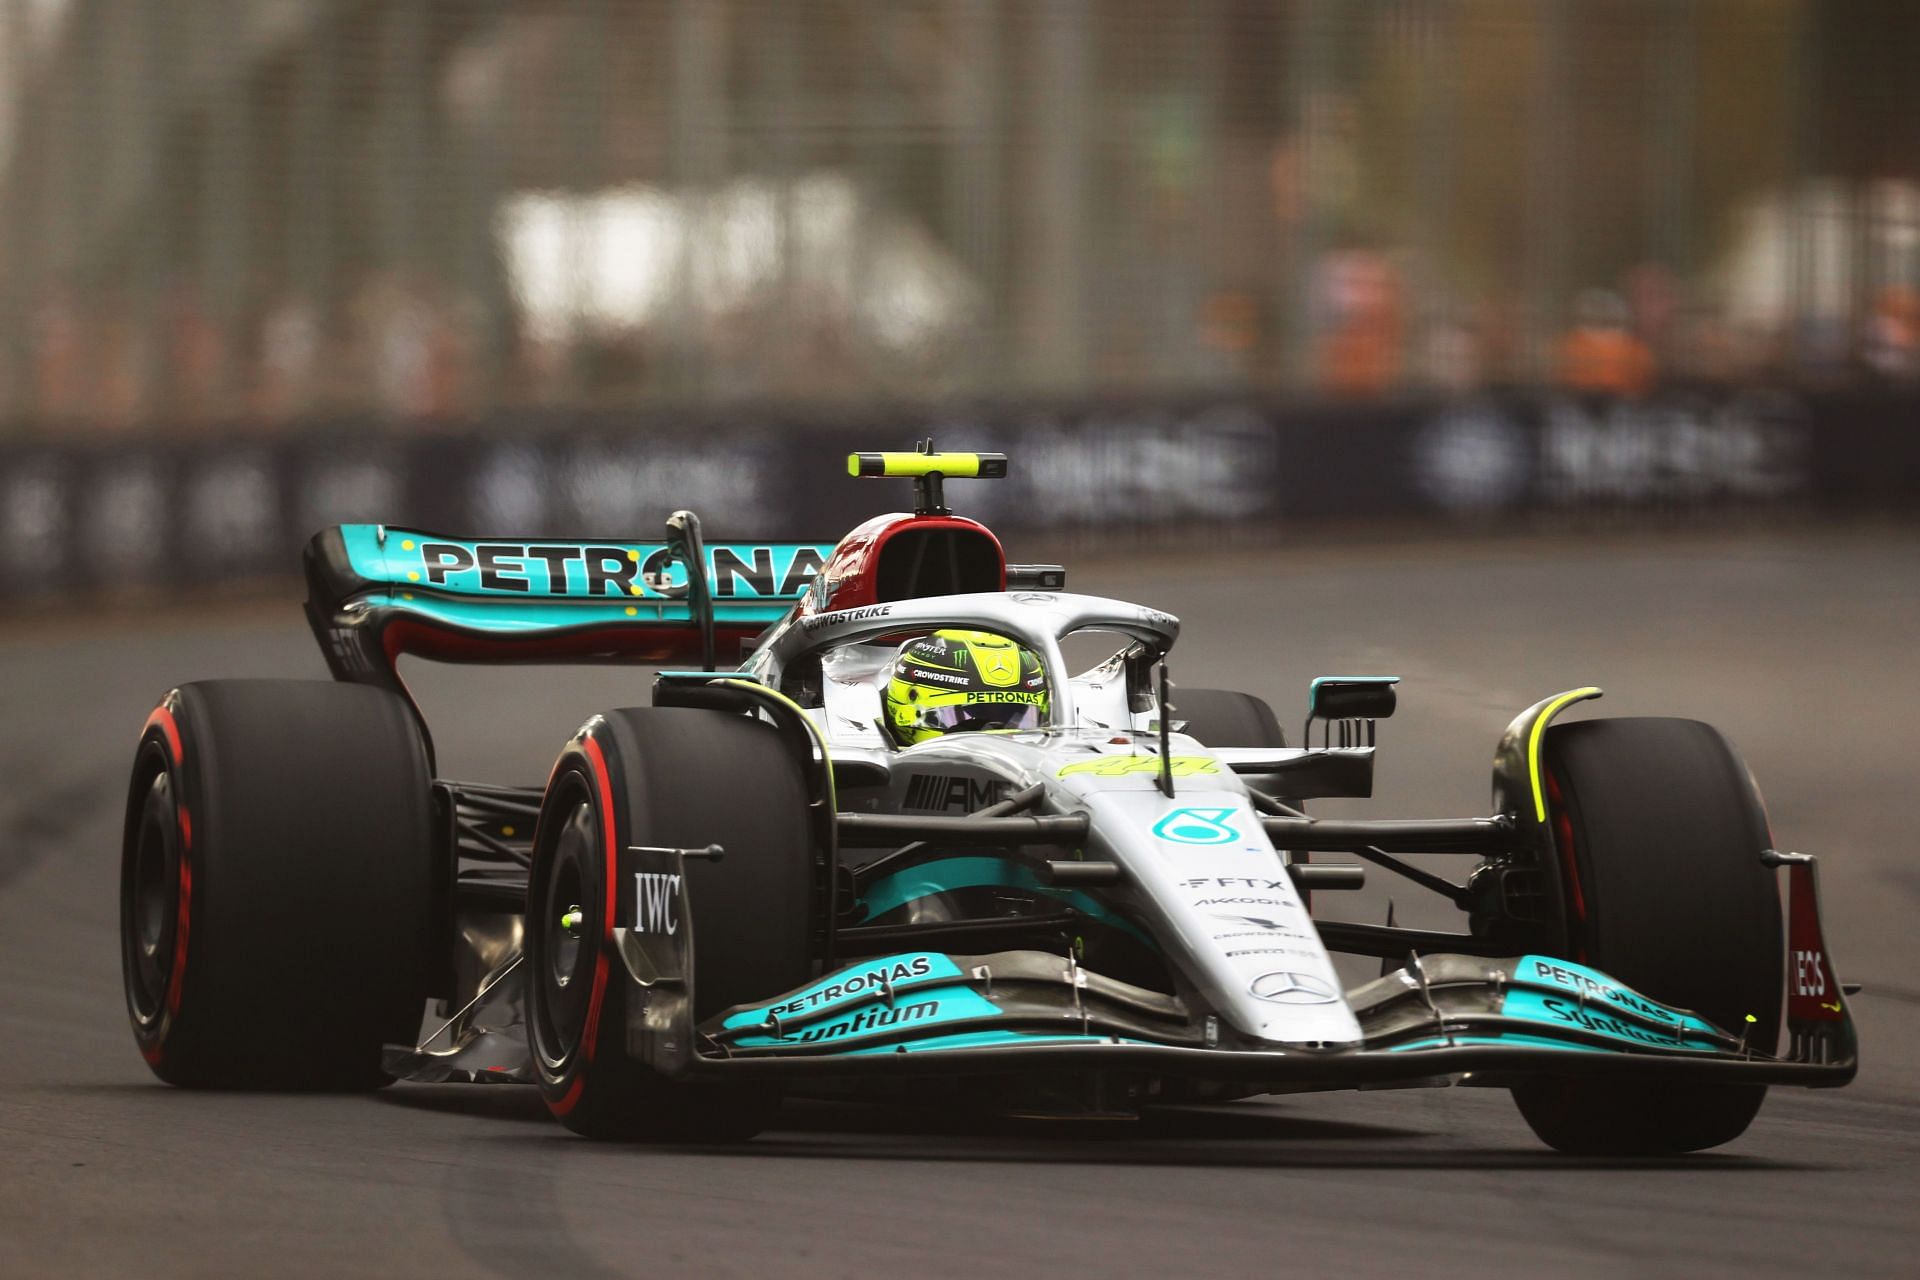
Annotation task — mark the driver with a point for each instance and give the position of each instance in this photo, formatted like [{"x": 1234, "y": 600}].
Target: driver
[{"x": 953, "y": 681}]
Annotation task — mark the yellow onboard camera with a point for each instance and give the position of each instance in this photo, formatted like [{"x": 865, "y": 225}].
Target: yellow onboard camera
[{"x": 927, "y": 469}]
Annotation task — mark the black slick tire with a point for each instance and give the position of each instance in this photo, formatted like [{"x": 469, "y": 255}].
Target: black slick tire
[
  {"x": 276, "y": 884},
  {"x": 1226, "y": 718},
  {"x": 681, "y": 778},
  {"x": 1659, "y": 830}
]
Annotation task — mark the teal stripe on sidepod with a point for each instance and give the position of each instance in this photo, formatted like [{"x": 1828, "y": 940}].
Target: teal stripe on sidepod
[{"x": 949, "y": 874}]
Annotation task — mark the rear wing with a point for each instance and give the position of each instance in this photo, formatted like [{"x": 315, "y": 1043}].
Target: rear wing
[{"x": 376, "y": 592}]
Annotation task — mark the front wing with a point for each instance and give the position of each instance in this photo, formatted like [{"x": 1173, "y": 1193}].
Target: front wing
[
  {"x": 931, "y": 1013},
  {"x": 926, "y": 1013}
]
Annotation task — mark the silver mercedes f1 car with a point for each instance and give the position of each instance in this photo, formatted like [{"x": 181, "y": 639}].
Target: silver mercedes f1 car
[{"x": 896, "y": 846}]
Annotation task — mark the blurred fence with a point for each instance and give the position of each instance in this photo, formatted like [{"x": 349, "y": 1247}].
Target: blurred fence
[{"x": 250, "y": 212}]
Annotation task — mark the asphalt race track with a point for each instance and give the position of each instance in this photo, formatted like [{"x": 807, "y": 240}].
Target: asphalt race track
[{"x": 1801, "y": 646}]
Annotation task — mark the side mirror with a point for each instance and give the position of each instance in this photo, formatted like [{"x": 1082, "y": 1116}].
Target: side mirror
[
  {"x": 1348, "y": 700},
  {"x": 1351, "y": 697}
]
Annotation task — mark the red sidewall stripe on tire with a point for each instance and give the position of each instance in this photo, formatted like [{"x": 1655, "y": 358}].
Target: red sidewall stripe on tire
[
  {"x": 1563, "y": 837},
  {"x": 163, "y": 720},
  {"x": 177, "y": 979},
  {"x": 566, "y": 1102},
  {"x": 603, "y": 789}
]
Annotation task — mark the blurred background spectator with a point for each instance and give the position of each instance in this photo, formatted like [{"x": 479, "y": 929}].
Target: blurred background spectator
[
  {"x": 1603, "y": 353},
  {"x": 218, "y": 210}
]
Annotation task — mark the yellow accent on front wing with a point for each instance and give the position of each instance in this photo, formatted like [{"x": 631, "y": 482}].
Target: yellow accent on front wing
[{"x": 1533, "y": 743}]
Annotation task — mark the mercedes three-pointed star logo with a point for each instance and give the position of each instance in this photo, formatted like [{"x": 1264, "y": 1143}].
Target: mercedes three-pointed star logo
[{"x": 1292, "y": 988}]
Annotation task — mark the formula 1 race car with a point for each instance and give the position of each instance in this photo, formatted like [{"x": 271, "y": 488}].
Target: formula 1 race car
[{"x": 896, "y": 848}]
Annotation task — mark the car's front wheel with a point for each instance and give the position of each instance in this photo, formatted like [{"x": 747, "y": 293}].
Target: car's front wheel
[
  {"x": 675, "y": 778},
  {"x": 1227, "y": 718},
  {"x": 1660, "y": 884}
]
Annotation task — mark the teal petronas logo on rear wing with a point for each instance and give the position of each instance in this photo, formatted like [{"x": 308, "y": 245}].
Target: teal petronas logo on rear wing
[{"x": 559, "y": 569}]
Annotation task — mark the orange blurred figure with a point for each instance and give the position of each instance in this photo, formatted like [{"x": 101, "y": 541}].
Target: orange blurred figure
[
  {"x": 1893, "y": 332},
  {"x": 1360, "y": 353},
  {"x": 1600, "y": 354}
]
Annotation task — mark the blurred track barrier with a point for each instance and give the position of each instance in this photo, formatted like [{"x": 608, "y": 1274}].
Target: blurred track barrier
[{"x": 80, "y": 516}]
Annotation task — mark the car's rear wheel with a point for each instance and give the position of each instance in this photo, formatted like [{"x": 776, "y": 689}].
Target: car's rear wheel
[
  {"x": 678, "y": 778},
  {"x": 1226, "y": 718},
  {"x": 1658, "y": 831},
  {"x": 276, "y": 884}
]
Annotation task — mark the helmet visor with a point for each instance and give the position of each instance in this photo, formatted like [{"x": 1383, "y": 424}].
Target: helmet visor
[{"x": 981, "y": 715}]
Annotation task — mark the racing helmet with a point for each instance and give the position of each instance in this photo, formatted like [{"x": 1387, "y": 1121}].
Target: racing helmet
[{"x": 955, "y": 681}]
